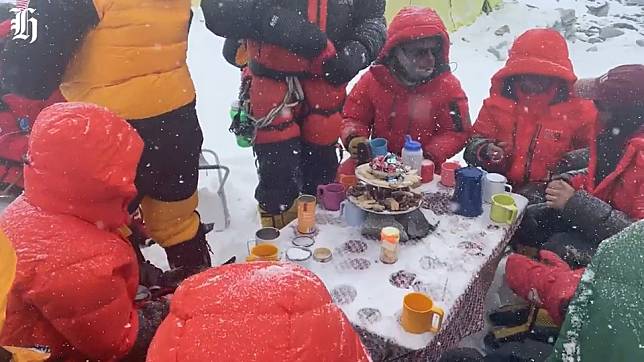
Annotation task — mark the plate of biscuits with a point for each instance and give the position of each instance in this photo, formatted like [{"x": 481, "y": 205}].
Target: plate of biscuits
[{"x": 384, "y": 201}]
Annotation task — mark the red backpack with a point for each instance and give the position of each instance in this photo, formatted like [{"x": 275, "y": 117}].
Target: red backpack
[{"x": 17, "y": 115}]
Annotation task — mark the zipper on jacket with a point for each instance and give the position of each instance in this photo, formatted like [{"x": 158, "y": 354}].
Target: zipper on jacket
[
  {"x": 409, "y": 122},
  {"x": 392, "y": 114},
  {"x": 533, "y": 145}
]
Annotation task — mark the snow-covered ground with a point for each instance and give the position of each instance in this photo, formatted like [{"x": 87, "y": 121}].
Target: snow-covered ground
[
  {"x": 217, "y": 84},
  {"x": 472, "y": 62}
]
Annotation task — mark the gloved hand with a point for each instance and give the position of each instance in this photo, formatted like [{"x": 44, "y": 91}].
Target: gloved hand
[
  {"x": 317, "y": 63},
  {"x": 550, "y": 282},
  {"x": 162, "y": 282},
  {"x": 346, "y": 63},
  {"x": 494, "y": 152},
  {"x": 149, "y": 274},
  {"x": 289, "y": 29},
  {"x": 353, "y": 145}
]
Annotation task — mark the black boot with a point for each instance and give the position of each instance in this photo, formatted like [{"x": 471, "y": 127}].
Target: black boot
[
  {"x": 319, "y": 166},
  {"x": 192, "y": 255},
  {"x": 280, "y": 176}
]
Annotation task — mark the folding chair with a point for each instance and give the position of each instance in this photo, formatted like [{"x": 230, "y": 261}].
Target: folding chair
[{"x": 217, "y": 206}]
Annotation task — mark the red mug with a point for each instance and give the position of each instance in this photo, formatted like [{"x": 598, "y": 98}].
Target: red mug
[
  {"x": 427, "y": 171},
  {"x": 448, "y": 173}
]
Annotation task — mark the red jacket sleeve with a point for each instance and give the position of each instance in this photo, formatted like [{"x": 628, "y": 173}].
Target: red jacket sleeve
[
  {"x": 485, "y": 126},
  {"x": 89, "y": 304},
  {"x": 358, "y": 111},
  {"x": 485, "y": 130},
  {"x": 453, "y": 128},
  {"x": 638, "y": 204},
  {"x": 579, "y": 180},
  {"x": 585, "y": 135}
]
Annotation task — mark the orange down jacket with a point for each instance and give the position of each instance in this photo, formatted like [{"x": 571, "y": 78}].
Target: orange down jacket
[
  {"x": 268, "y": 312},
  {"x": 76, "y": 279}
]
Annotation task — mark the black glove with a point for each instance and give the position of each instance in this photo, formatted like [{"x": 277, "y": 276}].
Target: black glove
[
  {"x": 291, "y": 30},
  {"x": 156, "y": 279},
  {"x": 346, "y": 63},
  {"x": 573, "y": 161},
  {"x": 149, "y": 274}
]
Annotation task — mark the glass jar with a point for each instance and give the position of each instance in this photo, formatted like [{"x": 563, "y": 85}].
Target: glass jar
[{"x": 389, "y": 244}]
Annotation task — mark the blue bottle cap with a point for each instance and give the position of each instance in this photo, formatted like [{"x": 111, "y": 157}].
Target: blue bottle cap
[{"x": 411, "y": 145}]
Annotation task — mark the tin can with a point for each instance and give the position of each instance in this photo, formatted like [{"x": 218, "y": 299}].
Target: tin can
[{"x": 306, "y": 214}]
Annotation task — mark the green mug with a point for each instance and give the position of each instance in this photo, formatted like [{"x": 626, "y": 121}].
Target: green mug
[{"x": 504, "y": 210}]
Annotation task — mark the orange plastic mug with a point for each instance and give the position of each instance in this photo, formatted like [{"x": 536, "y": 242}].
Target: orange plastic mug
[
  {"x": 418, "y": 314},
  {"x": 448, "y": 173}
]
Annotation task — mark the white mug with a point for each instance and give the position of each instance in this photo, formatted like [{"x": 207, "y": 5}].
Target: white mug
[{"x": 494, "y": 183}]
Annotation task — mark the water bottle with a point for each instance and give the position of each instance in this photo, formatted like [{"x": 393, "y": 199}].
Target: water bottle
[
  {"x": 412, "y": 153},
  {"x": 242, "y": 126}
]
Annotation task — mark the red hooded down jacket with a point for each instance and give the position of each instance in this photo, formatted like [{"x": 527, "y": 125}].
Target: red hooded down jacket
[
  {"x": 264, "y": 312},
  {"x": 434, "y": 113},
  {"x": 76, "y": 280},
  {"x": 538, "y": 133},
  {"x": 623, "y": 188}
]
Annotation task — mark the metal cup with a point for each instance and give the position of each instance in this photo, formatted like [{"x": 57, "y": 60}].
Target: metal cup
[{"x": 306, "y": 214}]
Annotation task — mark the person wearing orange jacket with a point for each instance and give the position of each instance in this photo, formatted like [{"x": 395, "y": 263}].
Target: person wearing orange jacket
[
  {"x": 301, "y": 54},
  {"x": 409, "y": 91},
  {"x": 77, "y": 274},
  {"x": 585, "y": 207},
  {"x": 128, "y": 56},
  {"x": 531, "y": 119},
  {"x": 255, "y": 312}
]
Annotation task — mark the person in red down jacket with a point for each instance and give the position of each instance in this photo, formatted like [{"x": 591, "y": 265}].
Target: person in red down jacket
[
  {"x": 77, "y": 277},
  {"x": 301, "y": 54},
  {"x": 531, "y": 119},
  {"x": 261, "y": 311},
  {"x": 409, "y": 91},
  {"x": 588, "y": 206}
]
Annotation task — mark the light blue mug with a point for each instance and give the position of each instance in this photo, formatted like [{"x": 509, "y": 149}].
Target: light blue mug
[
  {"x": 352, "y": 215},
  {"x": 378, "y": 147}
]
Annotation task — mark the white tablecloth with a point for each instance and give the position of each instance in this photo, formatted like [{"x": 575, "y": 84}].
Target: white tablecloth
[{"x": 454, "y": 265}]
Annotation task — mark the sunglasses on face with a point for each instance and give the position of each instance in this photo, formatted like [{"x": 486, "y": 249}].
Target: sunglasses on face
[{"x": 416, "y": 51}]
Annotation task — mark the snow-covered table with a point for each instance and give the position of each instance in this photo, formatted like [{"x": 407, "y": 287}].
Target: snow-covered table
[{"x": 454, "y": 265}]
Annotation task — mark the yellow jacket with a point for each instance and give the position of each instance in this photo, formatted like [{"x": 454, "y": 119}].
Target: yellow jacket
[
  {"x": 7, "y": 273},
  {"x": 134, "y": 61}
]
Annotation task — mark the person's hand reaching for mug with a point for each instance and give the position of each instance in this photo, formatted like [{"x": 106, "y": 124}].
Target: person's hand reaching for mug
[
  {"x": 558, "y": 193},
  {"x": 495, "y": 152}
]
